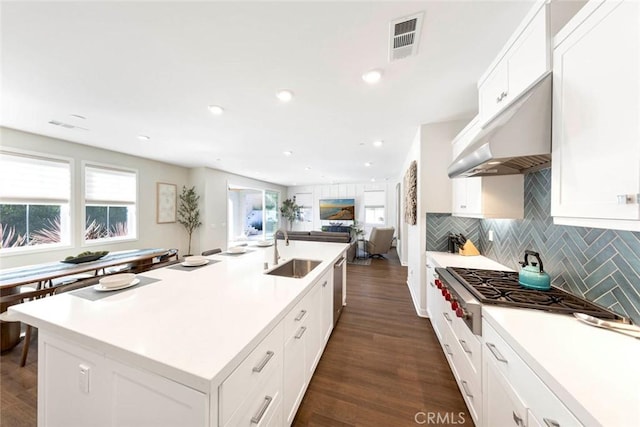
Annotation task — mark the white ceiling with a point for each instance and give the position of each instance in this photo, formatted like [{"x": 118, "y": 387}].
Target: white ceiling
[{"x": 152, "y": 68}]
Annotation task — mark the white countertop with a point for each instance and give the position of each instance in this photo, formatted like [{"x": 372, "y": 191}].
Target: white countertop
[
  {"x": 191, "y": 326},
  {"x": 446, "y": 259},
  {"x": 594, "y": 372}
]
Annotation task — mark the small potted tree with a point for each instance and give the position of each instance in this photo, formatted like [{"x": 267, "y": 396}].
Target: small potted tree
[
  {"x": 188, "y": 212},
  {"x": 290, "y": 211}
]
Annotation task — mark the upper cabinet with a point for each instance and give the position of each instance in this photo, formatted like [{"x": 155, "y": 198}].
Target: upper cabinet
[
  {"x": 596, "y": 118},
  {"x": 522, "y": 62}
]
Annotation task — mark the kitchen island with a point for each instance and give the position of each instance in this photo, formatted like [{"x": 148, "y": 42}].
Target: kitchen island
[{"x": 201, "y": 346}]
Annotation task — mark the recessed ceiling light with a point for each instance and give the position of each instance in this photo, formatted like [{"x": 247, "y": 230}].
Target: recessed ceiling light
[
  {"x": 367, "y": 164},
  {"x": 377, "y": 143},
  {"x": 372, "y": 77},
  {"x": 287, "y": 153},
  {"x": 373, "y": 180},
  {"x": 284, "y": 95},
  {"x": 144, "y": 137},
  {"x": 216, "y": 110},
  {"x": 308, "y": 168}
]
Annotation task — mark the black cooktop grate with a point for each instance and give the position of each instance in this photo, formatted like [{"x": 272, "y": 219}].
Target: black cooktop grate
[{"x": 502, "y": 288}]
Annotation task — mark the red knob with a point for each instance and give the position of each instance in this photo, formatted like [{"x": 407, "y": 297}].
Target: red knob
[
  {"x": 448, "y": 296},
  {"x": 444, "y": 291},
  {"x": 460, "y": 312},
  {"x": 454, "y": 305},
  {"x": 438, "y": 284}
]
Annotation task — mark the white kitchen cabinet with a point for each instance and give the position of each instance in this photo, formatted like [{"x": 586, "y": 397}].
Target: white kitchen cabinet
[
  {"x": 105, "y": 392},
  {"x": 596, "y": 110},
  {"x": 523, "y": 61},
  {"x": 503, "y": 406},
  {"x": 302, "y": 349},
  {"x": 460, "y": 346},
  {"x": 513, "y": 391},
  {"x": 326, "y": 315},
  {"x": 251, "y": 381},
  {"x": 489, "y": 197},
  {"x": 484, "y": 197}
]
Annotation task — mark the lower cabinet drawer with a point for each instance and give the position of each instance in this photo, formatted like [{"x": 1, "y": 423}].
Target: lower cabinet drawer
[
  {"x": 263, "y": 407},
  {"x": 254, "y": 371},
  {"x": 470, "y": 344},
  {"x": 470, "y": 385},
  {"x": 545, "y": 406}
]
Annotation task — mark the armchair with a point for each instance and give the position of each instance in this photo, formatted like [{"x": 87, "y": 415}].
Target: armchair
[{"x": 379, "y": 241}]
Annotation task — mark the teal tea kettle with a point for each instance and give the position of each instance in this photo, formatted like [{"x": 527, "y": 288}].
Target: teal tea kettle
[{"x": 532, "y": 275}]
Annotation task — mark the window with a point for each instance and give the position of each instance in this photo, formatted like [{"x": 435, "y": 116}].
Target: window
[
  {"x": 34, "y": 202},
  {"x": 110, "y": 203},
  {"x": 253, "y": 214},
  {"x": 374, "y": 207}
]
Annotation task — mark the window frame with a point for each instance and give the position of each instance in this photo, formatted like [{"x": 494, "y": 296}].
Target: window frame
[
  {"x": 23, "y": 250},
  {"x": 83, "y": 209},
  {"x": 377, "y": 205}
]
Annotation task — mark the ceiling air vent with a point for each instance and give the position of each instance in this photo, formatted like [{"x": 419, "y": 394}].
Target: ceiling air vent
[
  {"x": 405, "y": 35},
  {"x": 65, "y": 125}
]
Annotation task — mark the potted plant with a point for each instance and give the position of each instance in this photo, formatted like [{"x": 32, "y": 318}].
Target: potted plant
[
  {"x": 356, "y": 230},
  {"x": 188, "y": 212},
  {"x": 290, "y": 211}
]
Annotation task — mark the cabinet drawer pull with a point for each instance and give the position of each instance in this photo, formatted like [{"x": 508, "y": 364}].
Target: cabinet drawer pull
[
  {"x": 446, "y": 316},
  {"x": 463, "y": 206},
  {"x": 300, "y": 333},
  {"x": 324, "y": 284},
  {"x": 263, "y": 362},
  {"x": 517, "y": 419},
  {"x": 465, "y": 387},
  {"x": 448, "y": 349},
  {"x": 496, "y": 353},
  {"x": 300, "y": 315},
  {"x": 465, "y": 347},
  {"x": 265, "y": 405},
  {"x": 551, "y": 423}
]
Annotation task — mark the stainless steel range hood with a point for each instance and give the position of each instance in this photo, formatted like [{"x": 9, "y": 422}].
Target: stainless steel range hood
[{"x": 517, "y": 140}]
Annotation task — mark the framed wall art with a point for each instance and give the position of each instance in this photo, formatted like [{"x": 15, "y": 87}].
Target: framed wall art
[{"x": 167, "y": 195}]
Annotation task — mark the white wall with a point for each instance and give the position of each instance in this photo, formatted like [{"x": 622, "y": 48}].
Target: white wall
[
  {"x": 212, "y": 184},
  {"x": 346, "y": 191},
  {"x": 150, "y": 234},
  {"x": 431, "y": 149}
]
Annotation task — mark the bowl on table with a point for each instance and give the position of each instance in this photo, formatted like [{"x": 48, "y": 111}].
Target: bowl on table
[
  {"x": 237, "y": 249},
  {"x": 117, "y": 280},
  {"x": 195, "y": 260}
]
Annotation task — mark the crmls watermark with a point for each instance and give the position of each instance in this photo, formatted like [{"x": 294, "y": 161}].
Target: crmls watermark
[{"x": 439, "y": 418}]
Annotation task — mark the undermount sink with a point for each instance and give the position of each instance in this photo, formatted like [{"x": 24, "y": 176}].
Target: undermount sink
[{"x": 296, "y": 268}]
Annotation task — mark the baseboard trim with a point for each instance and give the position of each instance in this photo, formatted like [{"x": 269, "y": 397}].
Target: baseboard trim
[{"x": 419, "y": 311}]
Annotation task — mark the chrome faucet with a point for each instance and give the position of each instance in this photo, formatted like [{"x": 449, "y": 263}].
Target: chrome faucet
[{"x": 275, "y": 244}]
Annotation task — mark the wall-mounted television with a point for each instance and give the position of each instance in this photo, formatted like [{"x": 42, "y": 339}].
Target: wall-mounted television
[{"x": 337, "y": 209}]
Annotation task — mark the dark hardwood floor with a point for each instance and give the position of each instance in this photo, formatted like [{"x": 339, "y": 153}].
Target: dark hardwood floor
[{"x": 382, "y": 366}]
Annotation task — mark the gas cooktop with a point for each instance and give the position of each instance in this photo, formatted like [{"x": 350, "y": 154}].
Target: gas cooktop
[{"x": 502, "y": 288}]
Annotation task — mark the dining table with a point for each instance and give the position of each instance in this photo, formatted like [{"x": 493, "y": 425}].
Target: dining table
[{"x": 28, "y": 282}]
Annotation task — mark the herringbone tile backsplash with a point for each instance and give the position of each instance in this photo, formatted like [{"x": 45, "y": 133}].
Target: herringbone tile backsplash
[{"x": 600, "y": 265}]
